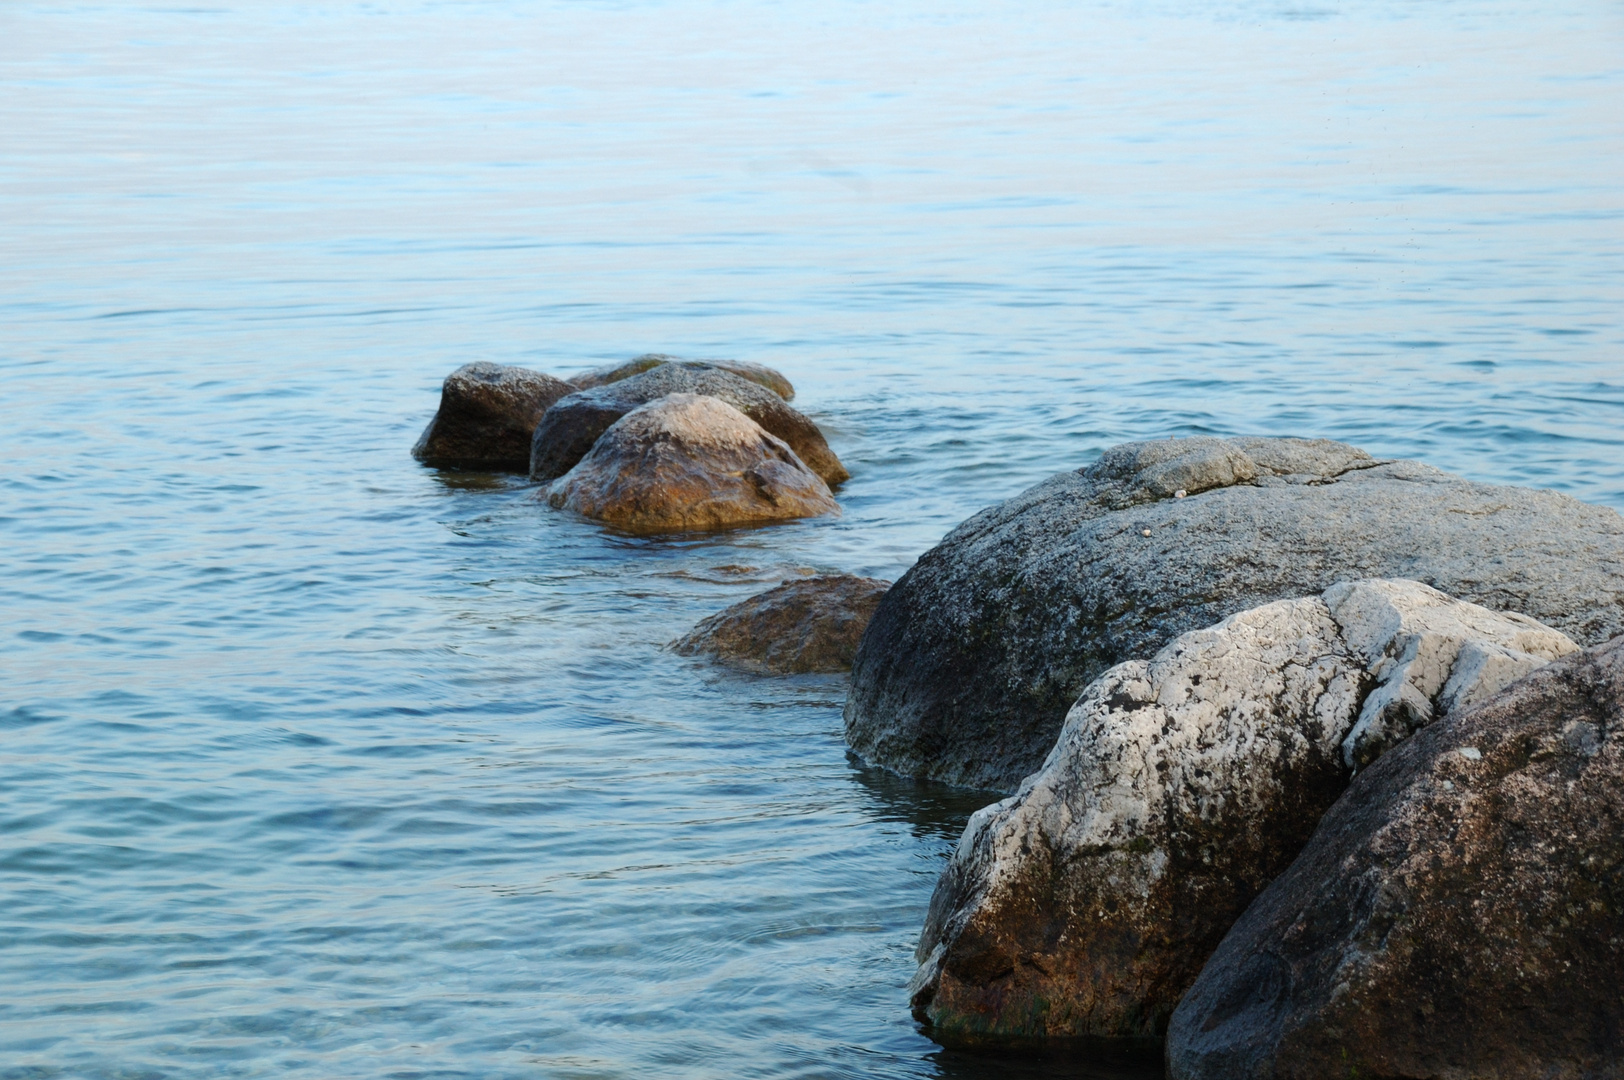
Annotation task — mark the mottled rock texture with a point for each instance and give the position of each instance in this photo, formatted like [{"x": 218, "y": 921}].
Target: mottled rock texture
[
  {"x": 1458, "y": 914},
  {"x": 757, "y": 373},
  {"x": 976, "y": 654},
  {"x": 487, "y": 415},
  {"x": 1085, "y": 904},
  {"x": 800, "y": 626},
  {"x": 688, "y": 461},
  {"x": 571, "y": 426}
]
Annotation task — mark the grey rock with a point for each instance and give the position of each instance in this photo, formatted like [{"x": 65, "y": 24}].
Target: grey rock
[
  {"x": 571, "y": 426},
  {"x": 975, "y": 655},
  {"x": 771, "y": 378},
  {"x": 1085, "y": 904},
  {"x": 689, "y": 461},
  {"x": 1458, "y": 914},
  {"x": 813, "y": 624},
  {"x": 487, "y": 415}
]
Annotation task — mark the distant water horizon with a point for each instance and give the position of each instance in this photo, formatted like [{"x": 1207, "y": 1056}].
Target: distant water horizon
[{"x": 322, "y": 763}]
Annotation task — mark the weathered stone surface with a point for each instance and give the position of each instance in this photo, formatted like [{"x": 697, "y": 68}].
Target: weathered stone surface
[
  {"x": 812, "y": 624},
  {"x": 688, "y": 461},
  {"x": 486, "y": 417},
  {"x": 974, "y": 656},
  {"x": 1459, "y": 913},
  {"x": 572, "y": 425},
  {"x": 1085, "y": 904},
  {"x": 771, "y": 378}
]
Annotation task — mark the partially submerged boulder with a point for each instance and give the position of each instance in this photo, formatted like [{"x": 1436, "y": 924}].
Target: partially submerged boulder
[
  {"x": 757, "y": 373},
  {"x": 687, "y": 461},
  {"x": 487, "y": 415},
  {"x": 975, "y": 655},
  {"x": 1085, "y": 904},
  {"x": 809, "y": 625},
  {"x": 1459, "y": 913},
  {"x": 572, "y": 425}
]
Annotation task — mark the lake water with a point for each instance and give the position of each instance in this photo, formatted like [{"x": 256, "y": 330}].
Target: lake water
[{"x": 318, "y": 763}]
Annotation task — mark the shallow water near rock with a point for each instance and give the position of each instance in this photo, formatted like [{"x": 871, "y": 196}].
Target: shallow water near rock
[{"x": 321, "y": 763}]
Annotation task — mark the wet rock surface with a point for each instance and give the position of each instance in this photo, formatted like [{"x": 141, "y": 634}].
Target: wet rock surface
[
  {"x": 487, "y": 415},
  {"x": 1459, "y": 912},
  {"x": 771, "y": 378},
  {"x": 976, "y": 654},
  {"x": 571, "y": 426},
  {"x": 689, "y": 461},
  {"x": 802, "y": 626},
  {"x": 1179, "y": 788}
]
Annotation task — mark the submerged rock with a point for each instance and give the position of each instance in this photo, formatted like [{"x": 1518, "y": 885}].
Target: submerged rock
[
  {"x": 975, "y": 655},
  {"x": 572, "y": 425},
  {"x": 800, "y": 626},
  {"x": 1085, "y": 904},
  {"x": 687, "y": 461},
  {"x": 486, "y": 417},
  {"x": 1459, "y": 913},
  {"x": 757, "y": 373}
]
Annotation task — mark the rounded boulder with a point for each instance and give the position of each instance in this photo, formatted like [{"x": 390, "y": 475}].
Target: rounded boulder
[
  {"x": 571, "y": 427},
  {"x": 689, "y": 461},
  {"x": 975, "y": 655}
]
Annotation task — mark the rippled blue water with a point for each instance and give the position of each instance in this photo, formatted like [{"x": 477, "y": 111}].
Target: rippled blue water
[{"x": 318, "y": 763}]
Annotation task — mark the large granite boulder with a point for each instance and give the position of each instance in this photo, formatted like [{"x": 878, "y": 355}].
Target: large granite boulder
[
  {"x": 978, "y": 651},
  {"x": 1085, "y": 904},
  {"x": 487, "y": 415},
  {"x": 571, "y": 426},
  {"x": 689, "y": 461},
  {"x": 802, "y": 626},
  {"x": 771, "y": 378},
  {"x": 1459, "y": 912}
]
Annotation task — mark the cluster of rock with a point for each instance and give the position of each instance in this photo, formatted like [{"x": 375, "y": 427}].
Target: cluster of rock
[
  {"x": 1179, "y": 788},
  {"x": 659, "y": 444},
  {"x": 1286, "y": 801},
  {"x": 653, "y": 445},
  {"x": 1315, "y": 761}
]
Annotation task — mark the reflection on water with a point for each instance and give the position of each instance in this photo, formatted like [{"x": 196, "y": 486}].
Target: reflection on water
[{"x": 320, "y": 763}]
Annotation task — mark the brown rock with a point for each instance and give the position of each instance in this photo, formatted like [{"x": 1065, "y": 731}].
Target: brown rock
[
  {"x": 801, "y": 626},
  {"x": 572, "y": 425},
  {"x": 756, "y": 373},
  {"x": 486, "y": 417},
  {"x": 688, "y": 461},
  {"x": 1458, "y": 913}
]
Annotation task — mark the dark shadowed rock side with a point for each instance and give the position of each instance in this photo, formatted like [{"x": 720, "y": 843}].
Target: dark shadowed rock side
[
  {"x": 976, "y": 654},
  {"x": 572, "y": 425},
  {"x": 688, "y": 461},
  {"x": 757, "y": 373},
  {"x": 1459, "y": 913},
  {"x": 800, "y": 626},
  {"x": 1086, "y": 904},
  {"x": 486, "y": 417}
]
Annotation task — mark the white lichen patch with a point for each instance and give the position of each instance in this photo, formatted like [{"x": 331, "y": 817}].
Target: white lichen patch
[{"x": 1430, "y": 655}]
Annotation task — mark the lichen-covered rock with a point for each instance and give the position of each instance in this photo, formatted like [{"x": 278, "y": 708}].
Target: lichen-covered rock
[
  {"x": 572, "y": 425},
  {"x": 967, "y": 670},
  {"x": 1085, "y": 904},
  {"x": 487, "y": 415},
  {"x": 809, "y": 625},
  {"x": 688, "y": 461},
  {"x": 1459, "y": 912},
  {"x": 757, "y": 373}
]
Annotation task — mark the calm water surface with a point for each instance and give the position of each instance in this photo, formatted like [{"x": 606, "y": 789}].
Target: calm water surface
[{"x": 318, "y": 763}]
